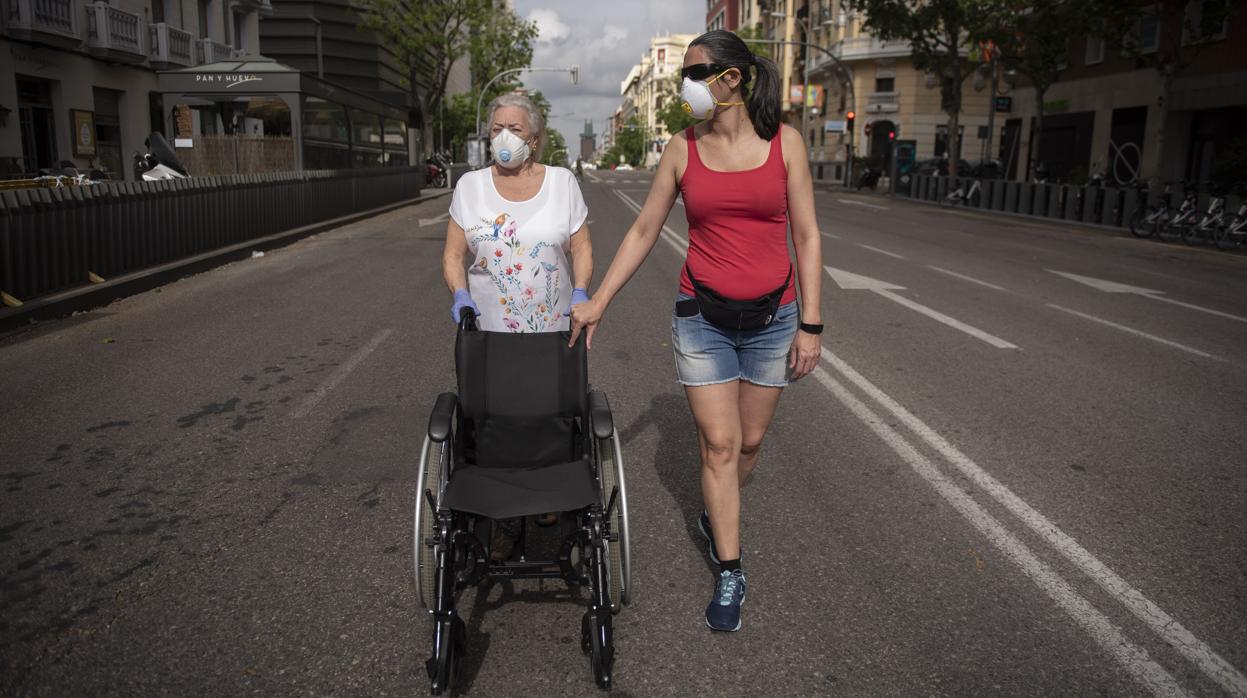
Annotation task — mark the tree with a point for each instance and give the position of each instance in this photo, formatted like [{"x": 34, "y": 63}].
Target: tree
[
  {"x": 749, "y": 34},
  {"x": 938, "y": 32},
  {"x": 428, "y": 38},
  {"x": 630, "y": 142},
  {"x": 556, "y": 149}
]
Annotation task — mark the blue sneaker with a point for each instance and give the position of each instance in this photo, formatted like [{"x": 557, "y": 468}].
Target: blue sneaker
[
  {"x": 704, "y": 524},
  {"x": 723, "y": 613}
]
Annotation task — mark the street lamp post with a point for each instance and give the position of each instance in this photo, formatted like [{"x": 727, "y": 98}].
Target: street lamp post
[
  {"x": 574, "y": 70},
  {"x": 805, "y": 71}
]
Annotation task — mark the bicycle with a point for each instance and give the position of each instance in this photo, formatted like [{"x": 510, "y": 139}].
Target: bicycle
[
  {"x": 1186, "y": 213},
  {"x": 1158, "y": 219},
  {"x": 1213, "y": 218},
  {"x": 960, "y": 196},
  {"x": 1233, "y": 232}
]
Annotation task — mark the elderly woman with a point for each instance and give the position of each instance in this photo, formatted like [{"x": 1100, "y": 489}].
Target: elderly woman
[{"x": 516, "y": 221}]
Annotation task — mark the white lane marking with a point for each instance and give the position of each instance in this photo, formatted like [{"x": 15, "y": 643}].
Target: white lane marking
[
  {"x": 862, "y": 203},
  {"x": 339, "y": 373},
  {"x": 677, "y": 242},
  {"x": 1134, "y": 659},
  {"x": 876, "y": 249},
  {"x": 430, "y": 221},
  {"x": 679, "y": 200},
  {"x": 856, "y": 282},
  {"x": 833, "y": 237},
  {"x": 594, "y": 178},
  {"x": 1116, "y": 287},
  {"x": 963, "y": 277},
  {"x": 1153, "y": 616},
  {"x": 1138, "y": 333}
]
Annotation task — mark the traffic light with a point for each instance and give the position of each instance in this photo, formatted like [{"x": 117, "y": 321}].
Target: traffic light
[
  {"x": 848, "y": 121},
  {"x": 891, "y": 135}
]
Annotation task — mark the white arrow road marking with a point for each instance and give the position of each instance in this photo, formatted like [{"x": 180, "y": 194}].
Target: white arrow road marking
[
  {"x": 862, "y": 203},
  {"x": 963, "y": 277},
  {"x": 876, "y": 249},
  {"x": 1115, "y": 287},
  {"x": 430, "y": 221},
  {"x": 856, "y": 282},
  {"x": 1138, "y": 333}
]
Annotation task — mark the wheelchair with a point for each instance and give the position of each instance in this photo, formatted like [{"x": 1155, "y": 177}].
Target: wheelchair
[{"x": 525, "y": 435}]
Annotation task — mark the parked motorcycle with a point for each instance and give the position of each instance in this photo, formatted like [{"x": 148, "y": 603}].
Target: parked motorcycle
[
  {"x": 438, "y": 170},
  {"x": 870, "y": 177},
  {"x": 159, "y": 162}
]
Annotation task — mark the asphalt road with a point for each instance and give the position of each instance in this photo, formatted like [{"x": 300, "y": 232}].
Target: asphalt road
[{"x": 1002, "y": 479}]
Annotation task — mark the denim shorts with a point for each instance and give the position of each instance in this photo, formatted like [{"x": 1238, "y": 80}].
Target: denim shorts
[{"x": 706, "y": 354}]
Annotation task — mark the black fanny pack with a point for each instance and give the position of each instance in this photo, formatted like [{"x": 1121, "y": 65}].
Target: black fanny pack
[{"x": 737, "y": 315}]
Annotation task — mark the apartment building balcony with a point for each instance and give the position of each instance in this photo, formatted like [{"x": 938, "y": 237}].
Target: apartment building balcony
[
  {"x": 882, "y": 102},
  {"x": 170, "y": 47},
  {"x": 115, "y": 34},
  {"x": 53, "y": 22},
  {"x": 869, "y": 47},
  {"x": 213, "y": 51}
]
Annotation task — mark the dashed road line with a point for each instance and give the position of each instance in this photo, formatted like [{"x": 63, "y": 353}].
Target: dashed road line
[
  {"x": 1137, "y": 333},
  {"x": 314, "y": 398},
  {"x": 880, "y": 251},
  {"x": 971, "y": 279},
  {"x": 851, "y": 202}
]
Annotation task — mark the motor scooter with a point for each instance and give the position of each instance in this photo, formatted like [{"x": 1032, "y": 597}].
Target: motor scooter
[{"x": 159, "y": 162}]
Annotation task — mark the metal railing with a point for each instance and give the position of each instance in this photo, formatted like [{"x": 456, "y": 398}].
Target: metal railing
[
  {"x": 55, "y": 17},
  {"x": 56, "y": 239},
  {"x": 112, "y": 30},
  {"x": 1098, "y": 205},
  {"x": 213, "y": 52},
  {"x": 170, "y": 46}
]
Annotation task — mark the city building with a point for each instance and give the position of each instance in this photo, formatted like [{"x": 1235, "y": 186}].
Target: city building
[
  {"x": 1115, "y": 114},
  {"x": 78, "y": 79},
  {"x": 732, "y": 15},
  {"x": 649, "y": 86},
  {"x": 588, "y": 142}
]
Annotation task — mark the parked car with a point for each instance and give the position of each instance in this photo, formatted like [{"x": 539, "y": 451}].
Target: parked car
[{"x": 628, "y": 168}]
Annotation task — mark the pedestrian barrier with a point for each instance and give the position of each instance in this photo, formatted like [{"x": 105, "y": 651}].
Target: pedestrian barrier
[
  {"x": 1100, "y": 205},
  {"x": 56, "y": 239}
]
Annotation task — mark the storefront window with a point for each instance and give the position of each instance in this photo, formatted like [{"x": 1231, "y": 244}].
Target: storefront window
[
  {"x": 365, "y": 128},
  {"x": 395, "y": 143},
  {"x": 324, "y": 120}
]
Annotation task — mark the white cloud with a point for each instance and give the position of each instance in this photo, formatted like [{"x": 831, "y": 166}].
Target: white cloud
[
  {"x": 551, "y": 29},
  {"x": 605, "y": 39}
]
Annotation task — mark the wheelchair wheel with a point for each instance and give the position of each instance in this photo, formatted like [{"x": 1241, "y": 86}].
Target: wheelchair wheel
[
  {"x": 618, "y": 550},
  {"x": 434, "y": 468}
]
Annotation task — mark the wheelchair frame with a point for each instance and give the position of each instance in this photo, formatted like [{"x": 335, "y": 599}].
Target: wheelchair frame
[{"x": 448, "y": 555}]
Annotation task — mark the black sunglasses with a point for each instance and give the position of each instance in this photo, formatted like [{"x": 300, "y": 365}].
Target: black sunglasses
[{"x": 703, "y": 71}]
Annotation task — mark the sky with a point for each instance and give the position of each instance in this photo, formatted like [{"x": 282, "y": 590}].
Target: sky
[{"x": 605, "y": 38}]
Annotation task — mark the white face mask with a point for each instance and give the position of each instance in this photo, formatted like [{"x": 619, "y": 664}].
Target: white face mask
[
  {"x": 510, "y": 151},
  {"x": 698, "y": 101}
]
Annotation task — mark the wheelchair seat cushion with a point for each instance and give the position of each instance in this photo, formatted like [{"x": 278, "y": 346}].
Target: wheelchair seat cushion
[{"x": 506, "y": 492}]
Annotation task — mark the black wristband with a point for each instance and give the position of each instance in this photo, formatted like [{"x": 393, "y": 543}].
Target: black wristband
[{"x": 811, "y": 329}]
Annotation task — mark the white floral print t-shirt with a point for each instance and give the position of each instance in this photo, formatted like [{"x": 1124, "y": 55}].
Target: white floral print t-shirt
[{"x": 520, "y": 278}]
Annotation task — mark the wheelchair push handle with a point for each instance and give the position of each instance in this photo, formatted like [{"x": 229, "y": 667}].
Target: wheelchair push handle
[{"x": 467, "y": 319}]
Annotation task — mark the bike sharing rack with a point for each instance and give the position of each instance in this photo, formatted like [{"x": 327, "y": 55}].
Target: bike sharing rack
[{"x": 1104, "y": 206}]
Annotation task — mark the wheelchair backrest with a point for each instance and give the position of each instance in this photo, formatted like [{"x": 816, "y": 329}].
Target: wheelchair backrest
[{"x": 523, "y": 393}]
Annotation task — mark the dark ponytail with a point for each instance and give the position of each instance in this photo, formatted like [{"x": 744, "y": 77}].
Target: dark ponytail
[{"x": 761, "y": 100}]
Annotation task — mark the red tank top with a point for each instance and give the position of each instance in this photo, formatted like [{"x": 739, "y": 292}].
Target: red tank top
[{"x": 737, "y": 227}]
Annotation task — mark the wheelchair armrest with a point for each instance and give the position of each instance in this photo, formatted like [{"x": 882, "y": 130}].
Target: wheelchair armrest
[
  {"x": 442, "y": 416},
  {"x": 600, "y": 414}
]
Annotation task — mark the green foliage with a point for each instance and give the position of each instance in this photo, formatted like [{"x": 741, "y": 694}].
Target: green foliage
[
  {"x": 455, "y": 120},
  {"x": 427, "y": 38},
  {"x": 556, "y": 149},
  {"x": 630, "y": 142},
  {"x": 672, "y": 114},
  {"x": 611, "y": 157},
  {"x": 755, "y": 32}
]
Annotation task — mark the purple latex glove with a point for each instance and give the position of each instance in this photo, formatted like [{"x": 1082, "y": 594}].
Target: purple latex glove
[
  {"x": 463, "y": 299},
  {"x": 579, "y": 295}
]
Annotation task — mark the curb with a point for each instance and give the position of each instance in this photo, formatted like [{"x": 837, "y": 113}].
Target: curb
[{"x": 87, "y": 297}]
